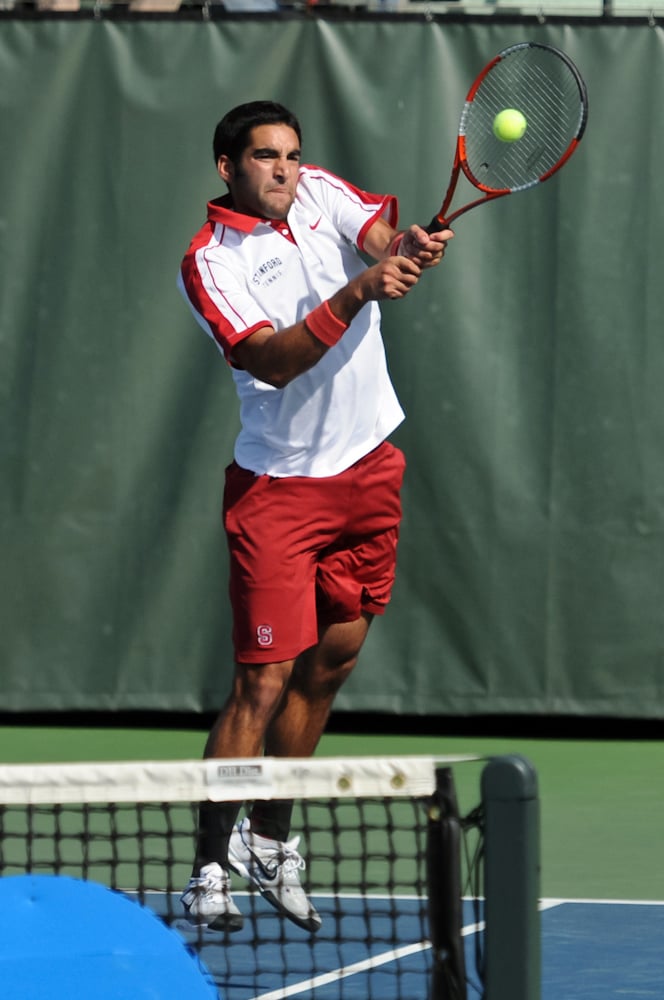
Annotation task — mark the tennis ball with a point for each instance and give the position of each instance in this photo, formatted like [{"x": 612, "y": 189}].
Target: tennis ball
[{"x": 509, "y": 125}]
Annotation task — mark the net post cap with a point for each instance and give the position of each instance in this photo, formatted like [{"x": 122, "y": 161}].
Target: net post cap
[{"x": 509, "y": 777}]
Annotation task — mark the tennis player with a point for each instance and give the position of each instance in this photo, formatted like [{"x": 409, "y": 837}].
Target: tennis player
[{"x": 312, "y": 498}]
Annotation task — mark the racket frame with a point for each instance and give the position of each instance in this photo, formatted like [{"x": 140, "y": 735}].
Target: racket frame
[{"x": 442, "y": 220}]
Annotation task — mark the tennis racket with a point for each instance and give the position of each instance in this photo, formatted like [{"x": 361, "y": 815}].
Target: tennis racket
[{"x": 540, "y": 88}]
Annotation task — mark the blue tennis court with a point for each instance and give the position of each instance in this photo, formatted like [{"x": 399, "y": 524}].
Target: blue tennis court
[
  {"x": 591, "y": 950},
  {"x": 602, "y": 950}
]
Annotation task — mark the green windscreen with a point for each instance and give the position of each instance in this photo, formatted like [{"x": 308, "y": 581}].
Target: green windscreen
[{"x": 531, "y": 564}]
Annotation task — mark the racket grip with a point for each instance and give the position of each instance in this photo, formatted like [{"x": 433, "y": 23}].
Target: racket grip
[{"x": 436, "y": 225}]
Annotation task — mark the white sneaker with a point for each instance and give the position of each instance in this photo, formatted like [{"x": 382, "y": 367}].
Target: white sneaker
[
  {"x": 207, "y": 900},
  {"x": 273, "y": 866}
]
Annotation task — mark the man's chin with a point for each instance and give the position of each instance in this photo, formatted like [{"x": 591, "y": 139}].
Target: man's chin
[{"x": 278, "y": 207}]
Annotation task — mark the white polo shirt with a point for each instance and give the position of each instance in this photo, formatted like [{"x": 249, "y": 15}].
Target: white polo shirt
[{"x": 241, "y": 273}]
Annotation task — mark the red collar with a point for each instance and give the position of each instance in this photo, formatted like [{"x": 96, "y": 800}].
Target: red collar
[{"x": 221, "y": 211}]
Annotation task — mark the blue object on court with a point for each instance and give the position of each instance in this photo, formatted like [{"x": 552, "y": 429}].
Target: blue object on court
[{"x": 65, "y": 939}]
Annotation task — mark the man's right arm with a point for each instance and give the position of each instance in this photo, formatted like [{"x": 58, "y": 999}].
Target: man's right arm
[{"x": 277, "y": 357}]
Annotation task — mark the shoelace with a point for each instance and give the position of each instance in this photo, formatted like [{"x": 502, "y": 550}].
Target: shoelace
[
  {"x": 291, "y": 861},
  {"x": 210, "y": 882},
  {"x": 286, "y": 856}
]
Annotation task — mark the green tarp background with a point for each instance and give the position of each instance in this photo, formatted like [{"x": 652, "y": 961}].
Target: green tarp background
[{"x": 531, "y": 368}]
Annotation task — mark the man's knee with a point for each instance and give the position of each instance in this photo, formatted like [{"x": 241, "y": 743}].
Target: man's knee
[
  {"x": 261, "y": 686},
  {"x": 321, "y": 671}
]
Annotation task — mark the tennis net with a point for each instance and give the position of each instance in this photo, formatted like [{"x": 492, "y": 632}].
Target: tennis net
[{"x": 386, "y": 865}]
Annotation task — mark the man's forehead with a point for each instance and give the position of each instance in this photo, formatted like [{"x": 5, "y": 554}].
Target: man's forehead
[{"x": 279, "y": 137}]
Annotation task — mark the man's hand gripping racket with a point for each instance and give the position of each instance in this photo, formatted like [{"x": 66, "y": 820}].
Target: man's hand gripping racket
[{"x": 523, "y": 118}]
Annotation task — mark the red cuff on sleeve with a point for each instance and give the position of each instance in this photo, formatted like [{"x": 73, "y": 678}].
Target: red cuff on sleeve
[{"x": 395, "y": 244}]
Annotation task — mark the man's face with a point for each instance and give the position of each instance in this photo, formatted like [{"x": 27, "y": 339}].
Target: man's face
[{"x": 263, "y": 182}]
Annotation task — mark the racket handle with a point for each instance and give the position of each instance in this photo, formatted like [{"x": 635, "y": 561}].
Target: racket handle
[{"x": 436, "y": 225}]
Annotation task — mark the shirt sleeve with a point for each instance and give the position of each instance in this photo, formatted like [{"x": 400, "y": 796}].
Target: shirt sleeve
[
  {"x": 352, "y": 210},
  {"x": 218, "y": 299}
]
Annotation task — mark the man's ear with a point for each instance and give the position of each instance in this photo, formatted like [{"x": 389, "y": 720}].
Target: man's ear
[{"x": 225, "y": 168}]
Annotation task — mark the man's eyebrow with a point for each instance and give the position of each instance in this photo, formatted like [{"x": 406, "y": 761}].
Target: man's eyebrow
[{"x": 269, "y": 151}]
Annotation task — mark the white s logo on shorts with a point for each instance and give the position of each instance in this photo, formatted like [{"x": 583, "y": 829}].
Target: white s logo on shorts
[{"x": 264, "y": 635}]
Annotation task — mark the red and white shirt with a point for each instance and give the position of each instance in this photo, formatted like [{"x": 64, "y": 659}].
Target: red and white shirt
[{"x": 241, "y": 273}]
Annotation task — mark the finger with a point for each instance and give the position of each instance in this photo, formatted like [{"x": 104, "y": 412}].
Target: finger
[{"x": 407, "y": 265}]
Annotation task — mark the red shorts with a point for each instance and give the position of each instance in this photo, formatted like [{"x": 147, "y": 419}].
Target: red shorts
[{"x": 306, "y": 553}]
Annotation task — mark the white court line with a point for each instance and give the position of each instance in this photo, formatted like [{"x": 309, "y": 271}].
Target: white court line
[
  {"x": 348, "y": 970},
  {"x": 608, "y": 902}
]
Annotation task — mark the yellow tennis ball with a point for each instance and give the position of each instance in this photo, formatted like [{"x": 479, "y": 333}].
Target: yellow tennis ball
[{"x": 509, "y": 125}]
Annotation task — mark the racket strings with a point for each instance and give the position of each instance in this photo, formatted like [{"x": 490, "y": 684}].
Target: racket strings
[{"x": 547, "y": 91}]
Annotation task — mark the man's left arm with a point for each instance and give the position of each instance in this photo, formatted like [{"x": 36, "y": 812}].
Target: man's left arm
[{"x": 426, "y": 249}]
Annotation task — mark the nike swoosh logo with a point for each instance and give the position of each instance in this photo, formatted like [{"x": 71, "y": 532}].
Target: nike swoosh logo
[
  {"x": 269, "y": 872},
  {"x": 316, "y": 224}
]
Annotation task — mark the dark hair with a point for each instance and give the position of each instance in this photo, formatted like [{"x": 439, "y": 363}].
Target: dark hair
[{"x": 231, "y": 135}]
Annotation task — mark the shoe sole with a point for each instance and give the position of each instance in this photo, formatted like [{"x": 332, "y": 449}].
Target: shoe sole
[
  {"x": 311, "y": 923},
  {"x": 229, "y": 923},
  {"x": 226, "y": 922}
]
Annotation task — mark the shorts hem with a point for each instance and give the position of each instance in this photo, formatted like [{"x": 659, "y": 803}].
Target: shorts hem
[
  {"x": 263, "y": 657},
  {"x": 375, "y": 609}
]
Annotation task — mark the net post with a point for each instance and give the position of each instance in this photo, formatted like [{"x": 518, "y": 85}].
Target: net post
[
  {"x": 511, "y": 879},
  {"x": 448, "y": 974}
]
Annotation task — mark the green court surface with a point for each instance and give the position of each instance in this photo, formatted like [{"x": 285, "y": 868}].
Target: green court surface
[{"x": 602, "y": 806}]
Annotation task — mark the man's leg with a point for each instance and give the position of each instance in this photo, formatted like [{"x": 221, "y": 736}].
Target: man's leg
[
  {"x": 241, "y": 727},
  {"x": 239, "y": 731},
  {"x": 260, "y": 845},
  {"x": 315, "y": 680},
  {"x": 300, "y": 720}
]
